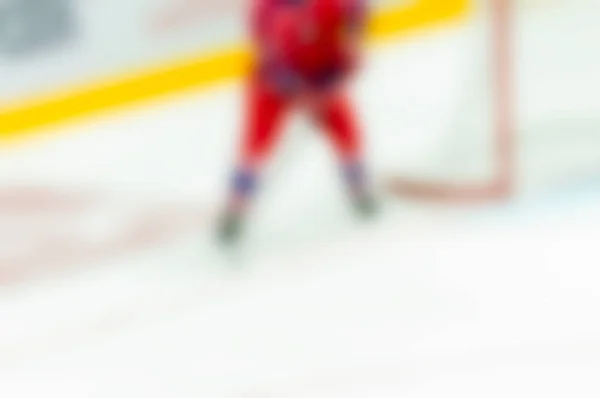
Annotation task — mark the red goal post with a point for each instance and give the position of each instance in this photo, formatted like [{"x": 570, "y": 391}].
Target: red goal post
[{"x": 501, "y": 183}]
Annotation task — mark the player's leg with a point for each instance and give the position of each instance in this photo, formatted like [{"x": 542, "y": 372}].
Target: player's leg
[
  {"x": 265, "y": 109},
  {"x": 338, "y": 119}
]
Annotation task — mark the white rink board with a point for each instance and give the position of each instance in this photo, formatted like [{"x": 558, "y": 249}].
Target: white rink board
[{"x": 112, "y": 38}]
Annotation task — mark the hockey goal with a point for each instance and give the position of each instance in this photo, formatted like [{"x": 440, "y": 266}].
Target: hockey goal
[{"x": 511, "y": 95}]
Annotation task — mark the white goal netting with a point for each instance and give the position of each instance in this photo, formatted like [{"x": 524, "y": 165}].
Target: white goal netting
[{"x": 507, "y": 100}]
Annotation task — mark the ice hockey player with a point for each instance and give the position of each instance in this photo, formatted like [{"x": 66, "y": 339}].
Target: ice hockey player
[{"x": 305, "y": 53}]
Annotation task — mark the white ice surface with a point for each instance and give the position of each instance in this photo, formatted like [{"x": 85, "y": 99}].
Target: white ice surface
[{"x": 430, "y": 301}]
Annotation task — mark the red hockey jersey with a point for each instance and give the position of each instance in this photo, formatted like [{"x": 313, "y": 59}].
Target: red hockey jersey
[{"x": 309, "y": 37}]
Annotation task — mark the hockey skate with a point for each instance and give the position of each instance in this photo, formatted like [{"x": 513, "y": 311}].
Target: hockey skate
[
  {"x": 229, "y": 230},
  {"x": 365, "y": 206}
]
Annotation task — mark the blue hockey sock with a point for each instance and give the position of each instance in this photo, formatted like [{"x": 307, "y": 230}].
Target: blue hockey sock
[
  {"x": 243, "y": 186},
  {"x": 355, "y": 177}
]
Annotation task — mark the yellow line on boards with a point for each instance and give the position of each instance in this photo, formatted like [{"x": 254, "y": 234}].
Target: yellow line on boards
[{"x": 20, "y": 120}]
